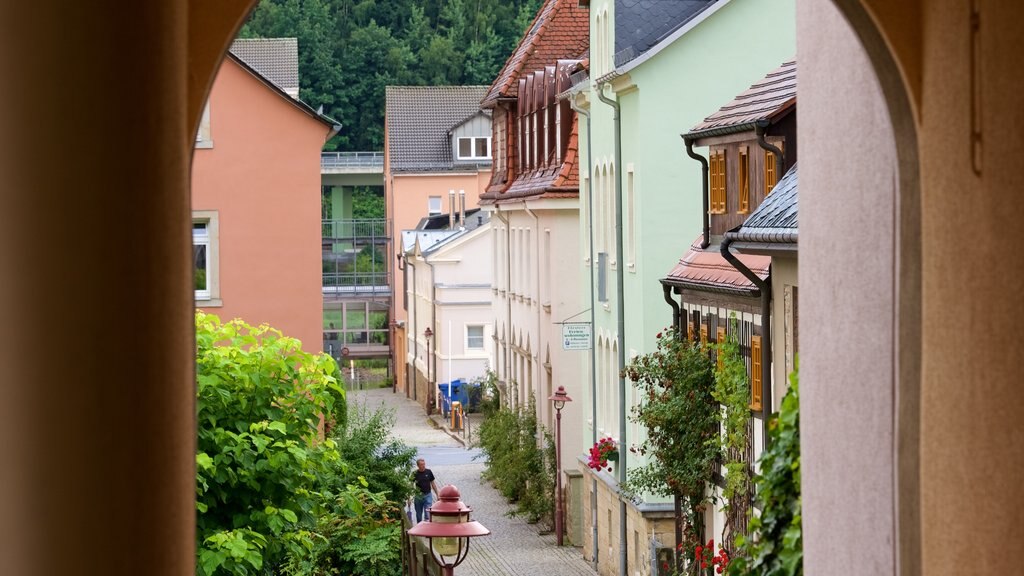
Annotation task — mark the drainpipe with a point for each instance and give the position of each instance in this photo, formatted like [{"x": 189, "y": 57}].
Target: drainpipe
[
  {"x": 759, "y": 129},
  {"x": 540, "y": 347},
  {"x": 508, "y": 293},
  {"x": 437, "y": 335},
  {"x": 667, "y": 292},
  {"x": 704, "y": 191},
  {"x": 765, "y": 287},
  {"x": 593, "y": 314},
  {"x": 416, "y": 345},
  {"x": 620, "y": 288}
]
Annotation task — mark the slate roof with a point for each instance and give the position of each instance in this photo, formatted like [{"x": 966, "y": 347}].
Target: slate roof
[
  {"x": 640, "y": 24},
  {"x": 707, "y": 271},
  {"x": 276, "y": 59},
  {"x": 418, "y": 119},
  {"x": 766, "y": 100},
  {"x": 474, "y": 217},
  {"x": 775, "y": 220},
  {"x": 560, "y": 30}
]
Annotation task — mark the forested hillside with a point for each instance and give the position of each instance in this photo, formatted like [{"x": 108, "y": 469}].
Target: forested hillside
[{"x": 350, "y": 49}]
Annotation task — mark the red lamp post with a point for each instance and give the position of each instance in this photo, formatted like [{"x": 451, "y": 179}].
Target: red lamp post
[
  {"x": 449, "y": 529},
  {"x": 559, "y": 398}
]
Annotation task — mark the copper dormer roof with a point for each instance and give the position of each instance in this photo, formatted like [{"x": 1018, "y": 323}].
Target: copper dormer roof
[{"x": 707, "y": 271}]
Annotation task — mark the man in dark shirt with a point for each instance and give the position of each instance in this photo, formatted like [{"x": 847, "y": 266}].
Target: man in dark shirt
[{"x": 425, "y": 484}]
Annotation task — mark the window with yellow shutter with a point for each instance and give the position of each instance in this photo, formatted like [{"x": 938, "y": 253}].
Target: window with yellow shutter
[
  {"x": 717, "y": 182},
  {"x": 721, "y": 341},
  {"x": 771, "y": 171},
  {"x": 703, "y": 335},
  {"x": 744, "y": 177},
  {"x": 755, "y": 373}
]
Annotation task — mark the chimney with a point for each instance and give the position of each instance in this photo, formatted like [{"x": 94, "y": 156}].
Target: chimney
[
  {"x": 451, "y": 209},
  {"x": 462, "y": 208}
]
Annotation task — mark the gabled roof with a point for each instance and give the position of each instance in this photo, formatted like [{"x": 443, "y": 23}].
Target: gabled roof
[
  {"x": 560, "y": 30},
  {"x": 775, "y": 220},
  {"x": 765, "y": 101},
  {"x": 294, "y": 101},
  {"x": 640, "y": 24},
  {"x": 418, "y": 120},
  {"x": 276, "y": 59},
  {"x": 707, "y": 271}
]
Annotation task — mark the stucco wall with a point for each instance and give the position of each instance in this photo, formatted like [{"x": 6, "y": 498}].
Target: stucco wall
[
  {"x": 262, "y": 176},
  {"x": 847, "y": 279}
]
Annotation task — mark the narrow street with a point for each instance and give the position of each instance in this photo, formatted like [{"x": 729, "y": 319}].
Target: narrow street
[{"x": 514, "y": 547}]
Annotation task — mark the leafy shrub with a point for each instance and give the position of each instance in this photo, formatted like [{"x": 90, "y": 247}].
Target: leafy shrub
[
  {"x": 519, "y": 464},
  {"x": 775, "y": 545},
  {"x": 260, "y": 400},
  {"x": 732, "y": 391}
]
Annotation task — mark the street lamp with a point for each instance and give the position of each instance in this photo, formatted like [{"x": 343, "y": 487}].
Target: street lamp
[
  {"x": 559, "y": 398},
  {"x": 428, "y": 334},
  {"x": 449, "y": 529}
]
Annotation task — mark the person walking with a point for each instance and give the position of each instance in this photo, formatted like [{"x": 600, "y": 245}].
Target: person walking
[{"x": 426, "y": 488}]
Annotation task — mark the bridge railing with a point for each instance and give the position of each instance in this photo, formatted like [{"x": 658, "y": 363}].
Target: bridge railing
[{"x": 337, "y": 160}]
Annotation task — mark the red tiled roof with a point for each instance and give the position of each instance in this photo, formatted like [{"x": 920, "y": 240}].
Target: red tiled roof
[
  {"x": 707, "y": 269},
  {"x": 767, "y": 99},
  {"x": 559, "y": 181},
  {"x": 560, "y": 30}
]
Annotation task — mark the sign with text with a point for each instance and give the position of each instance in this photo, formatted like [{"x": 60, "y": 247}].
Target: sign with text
[{"x": 576, "y": 336}]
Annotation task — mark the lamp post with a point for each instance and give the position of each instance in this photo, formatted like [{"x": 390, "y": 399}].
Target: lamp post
[
  {"x": 559, "y": 398},
  {"x": 427, "y": 335},
  {"x": 449, "y": 529}
]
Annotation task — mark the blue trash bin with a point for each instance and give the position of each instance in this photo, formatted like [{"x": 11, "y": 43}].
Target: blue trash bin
[{"x": 453, "y": 390}]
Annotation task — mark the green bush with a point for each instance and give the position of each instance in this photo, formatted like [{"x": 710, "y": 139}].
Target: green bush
[
  {"x": 521, "y": 461},
  {"x": 775, "y": 545}
]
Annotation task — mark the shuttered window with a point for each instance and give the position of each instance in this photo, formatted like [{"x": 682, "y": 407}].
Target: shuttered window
[
  {"x": 717, "y": 182},
  {"x": 744, "y": 177},
  {"x": 721, "y": 340},
  {"x": 703, "y": 335},
  {"x": 755, "y": 373}
]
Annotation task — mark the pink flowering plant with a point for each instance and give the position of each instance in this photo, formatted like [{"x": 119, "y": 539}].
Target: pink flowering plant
[{"x": 604, "y": 450}]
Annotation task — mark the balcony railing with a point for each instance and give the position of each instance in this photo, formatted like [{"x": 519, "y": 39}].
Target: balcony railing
[
  {"x": 355, "y": 229},
  {"x": 337, "y": 279},
  {"x": 350, "y": 160}
]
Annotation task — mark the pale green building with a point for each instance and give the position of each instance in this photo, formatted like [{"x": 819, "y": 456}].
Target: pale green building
[{"x": 667, "y": 64}]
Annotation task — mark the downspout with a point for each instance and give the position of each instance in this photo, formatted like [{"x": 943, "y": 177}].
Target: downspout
[
  {"x": 416, "y": 344},
  {"x": 536, "y": 266},
  {"x": 437, "y": 336},
  {"x": 765, "y": 287},
  {"x": 508, "y": 294},
  {"x": 667, "y": 292},
  {"x": 593, "y": 319},
  {"x": 620, "y": 288},
  {"x": 780, "y": 168},
  {"x": 704, "y": 191}
]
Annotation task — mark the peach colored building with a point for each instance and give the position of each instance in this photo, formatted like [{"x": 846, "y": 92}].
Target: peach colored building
[
  {"x": 256, "y": 205},
  {"x": 436, "y": 141}
]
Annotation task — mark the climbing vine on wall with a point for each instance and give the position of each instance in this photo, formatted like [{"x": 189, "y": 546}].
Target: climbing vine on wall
[{"x": 732, "y": 391}]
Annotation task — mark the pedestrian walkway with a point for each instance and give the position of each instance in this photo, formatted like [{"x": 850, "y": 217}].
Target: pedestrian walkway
[{"x": 514, "y": 547}]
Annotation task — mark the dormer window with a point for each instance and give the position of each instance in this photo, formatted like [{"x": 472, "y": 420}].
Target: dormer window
[
  {"x": 474, "y": 148},
  {"x": 718, "y": 182}
]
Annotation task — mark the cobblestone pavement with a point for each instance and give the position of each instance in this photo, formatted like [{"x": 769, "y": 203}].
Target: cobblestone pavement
[{"x": 514, "y": 548}]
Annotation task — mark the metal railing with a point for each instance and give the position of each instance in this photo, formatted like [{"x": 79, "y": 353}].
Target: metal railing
[
  {"x": 330, "y": 160},
  {"x": 355, "y": 279},
  {"x": 364, "y": 228}
]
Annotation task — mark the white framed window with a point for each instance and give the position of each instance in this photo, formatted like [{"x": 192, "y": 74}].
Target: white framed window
[
  {"x": 474, "y": 148},
  {"x": 475, "y": 337},
  {"x": 204, "y": 138},
  {"x": 206, "y": 257},
  {"x": 630, "y": 219},
  {"x": 433, "y": 205}
]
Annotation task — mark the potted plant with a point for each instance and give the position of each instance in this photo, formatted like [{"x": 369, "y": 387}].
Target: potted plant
[{"x": 604, "y": 451}]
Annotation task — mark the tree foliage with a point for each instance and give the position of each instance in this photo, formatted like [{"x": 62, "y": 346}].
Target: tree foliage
[
  {"x": 349, "y": 50},
  {"x": 732, "y": 391},
  {"x": 271, "y": 495}
]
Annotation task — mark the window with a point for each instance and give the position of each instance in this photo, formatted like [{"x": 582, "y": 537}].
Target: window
[
  {"x": 434, "y": 205},
  {"x": 205, "y": 257},
  {"x": 630, "y": 219},
  {"x": 744, "y": 181},
  {"x": 703, "y": 335},
  {"x": 474, "y": 148},
  {"x": 718, "y": 179},
  {"x": 474, "y": 337},
  {"x": 771, "y": 171},
  {"x": 755, "y": 373},
  {"x": 204, "y": 139}
]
